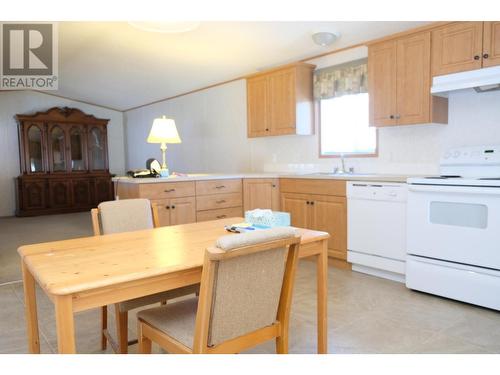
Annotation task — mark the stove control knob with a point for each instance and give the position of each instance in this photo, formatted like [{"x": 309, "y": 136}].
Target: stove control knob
[{"x": 456, "y": 154}]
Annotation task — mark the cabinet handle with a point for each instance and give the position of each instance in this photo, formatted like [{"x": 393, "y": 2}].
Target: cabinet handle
[
  {"x": 308, "y": 202},
  {"x": 173, "y": 207},
  {"x": 397, "y": 117},
  {"x": 391, "y": 117},
  {"x": 312, "y": 203},
  {"x": 220, "y": 201},
  {"x": 167, "y": 207},
  {"x": 485, "y": 56},
  {"x": 273, "y": 185},
  {"x": 477, "y": 57},
  {"x": 220, "y": 187},
  {"x": 267, "y": 129},
  {"x": 169, "y": 190},
  {"x": 221, "y": 216}
]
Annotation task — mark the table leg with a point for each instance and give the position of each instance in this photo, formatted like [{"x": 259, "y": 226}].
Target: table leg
[
  {"x": 30, "y": 310},
  {"x": 322, "y": 279},
  {"x": 65, "y": 324}
]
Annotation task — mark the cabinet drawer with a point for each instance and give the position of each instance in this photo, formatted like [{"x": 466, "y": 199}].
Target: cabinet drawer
[
  {"x": 166, "y": 190},
  {"x": 310, "y": 186},
  {"x": 222, "y": 213},
  {"x": 218, "y": 186},
  {"x": 210, "y": 202}
]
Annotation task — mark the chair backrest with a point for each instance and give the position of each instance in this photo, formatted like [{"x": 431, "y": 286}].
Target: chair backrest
[
  {"x": 242, "y": 286},
  {"x": 124, "y": 215}
]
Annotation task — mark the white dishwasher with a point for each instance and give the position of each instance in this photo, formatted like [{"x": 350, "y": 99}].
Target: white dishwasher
[{"x": 376, "y": 228}]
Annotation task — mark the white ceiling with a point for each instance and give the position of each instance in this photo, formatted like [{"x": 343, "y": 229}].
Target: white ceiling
[{"x": 114, "y": 64}]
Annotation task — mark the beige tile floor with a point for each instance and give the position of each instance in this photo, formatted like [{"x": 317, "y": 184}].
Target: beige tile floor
[{"x": 366, "y": 314}]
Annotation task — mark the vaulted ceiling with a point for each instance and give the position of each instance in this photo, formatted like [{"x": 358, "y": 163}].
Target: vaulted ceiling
[{"x": 116, "y": 65}]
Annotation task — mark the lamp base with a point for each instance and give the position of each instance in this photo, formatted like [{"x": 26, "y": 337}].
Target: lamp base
[{"x": 164, "y": 172}]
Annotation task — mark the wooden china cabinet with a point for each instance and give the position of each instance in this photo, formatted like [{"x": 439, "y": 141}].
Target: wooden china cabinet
[{"x": 64, "y": 162}]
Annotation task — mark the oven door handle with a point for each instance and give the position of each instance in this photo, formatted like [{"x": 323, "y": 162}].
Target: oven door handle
[{"x": 479, "y": 190}]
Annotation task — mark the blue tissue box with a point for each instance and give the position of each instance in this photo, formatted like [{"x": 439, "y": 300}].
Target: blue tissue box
[{"x": 277, "y": 219}]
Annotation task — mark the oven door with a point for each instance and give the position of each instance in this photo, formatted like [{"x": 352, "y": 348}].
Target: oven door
[{"x": 455, "y": 223}]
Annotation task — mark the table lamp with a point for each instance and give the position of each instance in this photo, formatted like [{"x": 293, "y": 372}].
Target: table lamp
[{"x": 163, "y": 131}]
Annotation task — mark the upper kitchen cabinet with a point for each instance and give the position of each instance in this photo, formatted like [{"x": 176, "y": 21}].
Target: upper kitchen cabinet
[
  {"x": 491, "y": 44},
  {"x": 399, "y": 83},
  {"x": 457, "y": 47},
  {"x": 463, "y": 46},
  {"x": 280, "y": 102}
]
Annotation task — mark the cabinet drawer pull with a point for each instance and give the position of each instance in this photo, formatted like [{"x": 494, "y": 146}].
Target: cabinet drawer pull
[
  {"x": 485, "y": 56},
  {"x": 220, "y": 201},
  {"x": 477, "y": 57},
  {"x": 221, "y": 216},
  {"x": 169, "y": 190},
  {"x": 220, "y": 187},
  {"x": 167, "y": 207},
  {"x": 173, "y": 207}
]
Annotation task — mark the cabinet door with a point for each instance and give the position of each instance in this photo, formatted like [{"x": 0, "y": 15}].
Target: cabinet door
[
  {"x": 297, "y": 206},
  {"x": 103, "y": 189},
  {"x": 35, "y": 152},
  {"x": 413, "y": 79},
  {"x": 81, "y": 191},
  {"x": 60, "y": 194},
  {"x": 491, "y": 44},
  {"x": 33, "y": 194},
  {"x": 261, "y": 193},
  {"x": 58, "y": 147},
  {"x": 163, "y": 208},
  {"x": 329, "y": 214},
  {"x": 258, "y": 106},
  {"x": 457, "y": 48},
  {"x": 282, "y": 102},
  {"x": 382, "y": 83},
  {"x": 77, "y": 140},
  {"x": 97, "y": 148},
  {"x": 182, "y": 210}
]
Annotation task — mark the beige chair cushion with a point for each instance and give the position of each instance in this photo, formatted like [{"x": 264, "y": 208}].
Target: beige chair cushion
[
  {"x": 158, "y": 297},
  {"x": 176, "y": 320},
  {"x": 125, "y": 215},
  {"x": 232, "y": 241}
]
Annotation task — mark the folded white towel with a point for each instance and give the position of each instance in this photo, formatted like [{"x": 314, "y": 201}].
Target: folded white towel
[{"x": 230, "y": 242}]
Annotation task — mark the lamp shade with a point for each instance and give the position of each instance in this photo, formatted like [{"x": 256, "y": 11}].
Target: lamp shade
[{"x": 163, "y": 131}]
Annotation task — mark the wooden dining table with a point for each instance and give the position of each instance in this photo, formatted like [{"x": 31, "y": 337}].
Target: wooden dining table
[{"x": 90, "y": 272}]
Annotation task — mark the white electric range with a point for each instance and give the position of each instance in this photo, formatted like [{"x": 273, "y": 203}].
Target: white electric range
[{"x": 453, "y": 228}]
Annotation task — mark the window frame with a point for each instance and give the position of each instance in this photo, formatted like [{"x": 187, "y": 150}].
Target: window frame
[{"x": 317, "y": 111}]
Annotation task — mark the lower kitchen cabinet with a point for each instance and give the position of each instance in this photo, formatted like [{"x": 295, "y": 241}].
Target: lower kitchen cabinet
[
  {"x": 321, "y": 212},
  {"x": 176, "y": 210},
  {"x": 261, "y": 193}
]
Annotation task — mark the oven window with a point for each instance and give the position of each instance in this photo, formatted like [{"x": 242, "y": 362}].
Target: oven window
[{"x": 459, "y": 214}]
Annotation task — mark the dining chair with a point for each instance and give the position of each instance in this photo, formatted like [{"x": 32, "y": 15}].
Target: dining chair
[
  {"x": 127, "y": 215},
  {"x": 245, "y": 298}
]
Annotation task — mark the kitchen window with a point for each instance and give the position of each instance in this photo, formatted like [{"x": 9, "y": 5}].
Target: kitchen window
[{"x": 342, "y": 95}]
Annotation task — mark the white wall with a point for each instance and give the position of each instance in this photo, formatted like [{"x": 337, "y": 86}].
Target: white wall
[
  {"x": 212, "y": 124},
  {"x": 20, "y": 102}
]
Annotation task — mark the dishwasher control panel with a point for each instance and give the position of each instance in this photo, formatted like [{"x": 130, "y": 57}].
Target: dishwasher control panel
[{"x": 384, "y": 191}]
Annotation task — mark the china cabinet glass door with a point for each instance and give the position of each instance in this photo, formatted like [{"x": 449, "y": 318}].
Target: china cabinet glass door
[
  {"x": 58, "y": 149},
  {"x": 97, "y": 149},
  {"x": 35, "y": 152},
  {"x": 78, "y": 162}
]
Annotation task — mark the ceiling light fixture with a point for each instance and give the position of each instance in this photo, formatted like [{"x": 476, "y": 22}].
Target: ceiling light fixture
[
  {"x": 166, "y": 26},
  {"x": 325, "y": 38}
]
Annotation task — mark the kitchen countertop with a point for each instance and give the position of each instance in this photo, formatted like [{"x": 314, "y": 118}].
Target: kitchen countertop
[{"x": 315, "y": 176}]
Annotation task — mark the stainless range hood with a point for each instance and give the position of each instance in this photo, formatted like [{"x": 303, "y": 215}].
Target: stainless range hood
[{"x": 481, "y": 80}]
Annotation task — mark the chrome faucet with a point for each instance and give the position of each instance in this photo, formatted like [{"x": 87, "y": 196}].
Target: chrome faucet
[{"x": 342, "y": 169}]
